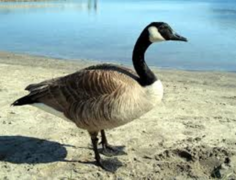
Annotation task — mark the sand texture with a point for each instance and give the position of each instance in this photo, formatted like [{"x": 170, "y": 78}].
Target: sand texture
[{"x": 191, "y": 135}]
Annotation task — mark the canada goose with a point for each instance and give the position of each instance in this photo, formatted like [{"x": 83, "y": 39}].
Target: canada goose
[{"x": 104, "y": 96}]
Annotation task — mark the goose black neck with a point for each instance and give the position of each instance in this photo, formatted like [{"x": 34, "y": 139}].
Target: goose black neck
[{"x": 147, "y": 77}]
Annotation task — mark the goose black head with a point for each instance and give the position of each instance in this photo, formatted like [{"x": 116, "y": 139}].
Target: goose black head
[{"x": 160, "y": 31}]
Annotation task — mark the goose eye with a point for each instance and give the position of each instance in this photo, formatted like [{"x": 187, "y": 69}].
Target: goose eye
[{"x": 162, "y": 29}]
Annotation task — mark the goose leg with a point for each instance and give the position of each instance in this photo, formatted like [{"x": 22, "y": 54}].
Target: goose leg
[
  {"x": 94, "y": 140},
  {"x": 103, "y": 164},
  {"x": 107, "y": 149}
]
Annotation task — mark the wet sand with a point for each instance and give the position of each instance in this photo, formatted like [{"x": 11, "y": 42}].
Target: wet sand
[{"x": 191, "y": 135}]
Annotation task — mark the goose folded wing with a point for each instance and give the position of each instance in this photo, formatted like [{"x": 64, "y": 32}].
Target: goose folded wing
[{"x": 61, "y": 93}]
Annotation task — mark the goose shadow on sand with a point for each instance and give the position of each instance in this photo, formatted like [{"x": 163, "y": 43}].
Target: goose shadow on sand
[{"x": 30, "y": 150}]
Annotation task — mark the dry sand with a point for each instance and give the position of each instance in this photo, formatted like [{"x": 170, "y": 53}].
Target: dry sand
[{"x": 191, "y": 135}]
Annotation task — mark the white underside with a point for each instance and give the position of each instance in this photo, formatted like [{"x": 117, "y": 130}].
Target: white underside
[{"x": 50, "y": 110}]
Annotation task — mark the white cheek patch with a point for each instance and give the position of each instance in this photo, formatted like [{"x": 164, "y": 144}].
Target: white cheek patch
[{"x": 154, "y": 35}]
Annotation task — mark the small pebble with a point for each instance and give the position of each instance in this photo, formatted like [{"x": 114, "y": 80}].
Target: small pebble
[
  {"x": 224, "y": 166},
  {"x": 147, "y": 157}
]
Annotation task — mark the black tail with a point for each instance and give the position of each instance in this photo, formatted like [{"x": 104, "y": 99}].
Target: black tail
[{"x": 23, "y": 101}]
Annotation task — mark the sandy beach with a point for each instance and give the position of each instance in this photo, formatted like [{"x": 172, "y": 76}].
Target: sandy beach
[{"x": 190, "y": 135}]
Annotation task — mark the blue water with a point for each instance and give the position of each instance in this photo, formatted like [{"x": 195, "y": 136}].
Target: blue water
[{"x": 107, "y": 30}]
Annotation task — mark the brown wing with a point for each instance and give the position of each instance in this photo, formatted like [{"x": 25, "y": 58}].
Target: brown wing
[{"x": 83, "y": 85}]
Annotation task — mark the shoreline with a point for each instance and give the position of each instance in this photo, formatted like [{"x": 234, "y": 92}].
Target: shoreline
[
  {"x": 28, "y": 60},
  {"x": 191, "y": 135}
]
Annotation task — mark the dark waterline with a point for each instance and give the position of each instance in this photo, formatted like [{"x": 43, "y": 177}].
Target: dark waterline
[{"x": 107, "y": 30}]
